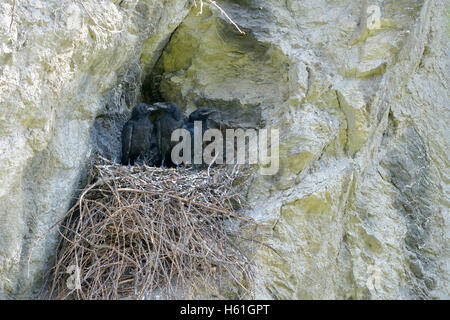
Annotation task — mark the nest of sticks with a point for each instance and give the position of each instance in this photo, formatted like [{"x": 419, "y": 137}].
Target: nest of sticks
[{"x": 146, "y": 233}]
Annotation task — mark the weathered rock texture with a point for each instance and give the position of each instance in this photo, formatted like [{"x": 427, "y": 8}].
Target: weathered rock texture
[
  {"x": 359, "y": 207},
  {"x": 62, "y": 65}
]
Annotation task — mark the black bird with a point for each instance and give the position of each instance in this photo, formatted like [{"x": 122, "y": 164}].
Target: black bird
[
  {"x": 154, "y": 155},
  {"x": 215, "y": 119},
  {"x": 210, "y": 119},
  {"x": 189, "y": 126},
  {"x": 171, "y": 120},
  {"x": 137, "y": 134}
]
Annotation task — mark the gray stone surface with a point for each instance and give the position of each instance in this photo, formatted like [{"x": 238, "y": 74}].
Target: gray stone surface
[
  {"x": 359, "y": 207},
  {"x": 68, "y": 69}
]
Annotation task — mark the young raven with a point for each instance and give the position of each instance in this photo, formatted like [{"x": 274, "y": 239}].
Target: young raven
[
  {"x": 137, "y": 134},
  {"x": 171, "y": 120},
  {"x": 210, "y": 119},
  {"x": 207, "y": 116}
]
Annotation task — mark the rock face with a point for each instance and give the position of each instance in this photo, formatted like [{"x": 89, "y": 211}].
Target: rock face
[
  {"x": 359, "y": 207},
  {"x": 66, "y": 69}
]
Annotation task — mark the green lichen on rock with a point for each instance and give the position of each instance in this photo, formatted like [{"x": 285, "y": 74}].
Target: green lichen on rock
[
  {"x": 337, "y": 220},
  {"x": 358, "y": 208}
]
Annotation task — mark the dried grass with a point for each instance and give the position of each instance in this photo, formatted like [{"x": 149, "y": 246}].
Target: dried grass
[{"x": 142, "y": 232}]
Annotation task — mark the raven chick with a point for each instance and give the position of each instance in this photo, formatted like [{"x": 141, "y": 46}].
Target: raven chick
[
  {"x": 137, "y": 134},
  {"x": 210, "y": 119},
  {"x": 170, "y": 121}
]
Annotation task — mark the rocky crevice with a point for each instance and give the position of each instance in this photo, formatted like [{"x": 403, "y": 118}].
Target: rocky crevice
[
  {"x": 83, "y": 67},
  {"x": 357, "y": 209}
]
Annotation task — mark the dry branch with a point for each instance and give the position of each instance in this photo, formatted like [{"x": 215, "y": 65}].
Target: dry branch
[{"x": 214, "y": 3}]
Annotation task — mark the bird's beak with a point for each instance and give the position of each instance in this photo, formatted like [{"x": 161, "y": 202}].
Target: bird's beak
[
  {"x": 160, "y": 105},
  {"x": 210, "y": 112},
  {"x": 155, "y": 112}
]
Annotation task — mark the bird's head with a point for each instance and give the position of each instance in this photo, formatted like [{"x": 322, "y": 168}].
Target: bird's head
[
  {"x": 141, "y": 110},
  {"x": 201, "y": 114},
  {"x": 169, "y": 108}
]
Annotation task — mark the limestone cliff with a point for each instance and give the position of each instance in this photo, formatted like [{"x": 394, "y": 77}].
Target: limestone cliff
[
  {"x": 66, "y": 68},
  {"x": 359, "y": 207}
]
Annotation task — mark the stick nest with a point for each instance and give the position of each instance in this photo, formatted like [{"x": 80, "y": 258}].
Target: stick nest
[{"x": 143, "y": 233}]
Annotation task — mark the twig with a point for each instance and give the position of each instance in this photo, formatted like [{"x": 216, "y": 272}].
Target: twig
[
  {"x": 138, "y": 229},
  {"x": 215, "y": 158},
  {"x": 12, "y": 14},
  {"x": 222, "y": 11}
]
